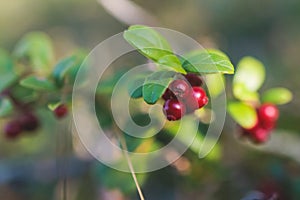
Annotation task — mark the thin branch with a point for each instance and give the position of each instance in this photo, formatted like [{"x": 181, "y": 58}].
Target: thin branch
[{"x": 125, "y": 150}]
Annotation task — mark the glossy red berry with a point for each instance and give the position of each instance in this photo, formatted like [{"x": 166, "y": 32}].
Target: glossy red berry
[
  {"x": 268, "y": 113},
  {"x": 259, "y": 135},
  {"x": 193, "y": 79},
  {"x": 197, "y": 99},
  {"x": 180, "y": 88},
  {"x": 61, "y": 111},
  {"x": 12, "y": 129},
  {"x": 29, "y": 122},
  {"x": 174, "y": 109},
  {"x": 168, "y": 95}
]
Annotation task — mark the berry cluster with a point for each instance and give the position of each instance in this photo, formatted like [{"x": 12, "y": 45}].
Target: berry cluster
[
  {"x": 267, "y": 115},
  {"x": 184, "y": 96},
  {"x": 26, "y": 122}
]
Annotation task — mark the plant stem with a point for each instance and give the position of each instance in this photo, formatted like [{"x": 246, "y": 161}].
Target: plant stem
[{"x": 125, "y": 150}]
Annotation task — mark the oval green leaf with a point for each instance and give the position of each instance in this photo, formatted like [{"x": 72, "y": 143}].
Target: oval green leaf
[
  {"x": 207, "y": 62},
  {"x": 7, "y": 73},
  {"x": 172, "y": 62},
  {"x": 149, "y": 42},
  {"x": 250, "y": 73},
  {"x": 38, "y": 49},
  {"x": 36, "y": 83},
  {"x": 67, "y": 68},
  {"x": 277, "y": 96},
  {"x": 244, "y": 114},
  {"x": 156, "y": 84}
]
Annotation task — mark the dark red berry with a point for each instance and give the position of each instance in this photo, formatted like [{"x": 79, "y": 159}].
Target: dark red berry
[
  {"x": 12, "y": 129},
  {"x": 168, "y": 95},
  {"x": 61, "y": 111},
  {"x": 193, "y": 79},
  {"x": 268, "y": 113},
  {"x": 180, "y": 88},
  {"x": 197, "y": 99},
  {"x": 174, "y": 109},
  {"x": 29, "y": 122}
]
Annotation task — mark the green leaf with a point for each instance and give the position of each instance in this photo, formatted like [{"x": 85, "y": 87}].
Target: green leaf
[
  {"x": 277, "y": 96},
  {"x": 66, "y": 69},
  {"x": 149, "y": 42},
  {"x": 244, "y": 114},
  {"x": 242, "y": 93},
  {"x": 7, "y": 73},
  {"x": 207, "y": 62},
  {"x": 172, "y": 62},
  {"x": 215, "y": 83},
  {"x": 36, "y": 47},
  {"x": 6, "y": 107},
  {"x": 251, "y": 73},
  {"x": 135, "y": 88},
  {"x": 36, "y": 83},
  {"x": 156, "y": 84}
]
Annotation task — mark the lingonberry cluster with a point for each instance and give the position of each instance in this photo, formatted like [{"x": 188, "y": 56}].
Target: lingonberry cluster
[
  {"x": 26, "y": 121},
  {"x": 184, "y": 96},
  {"x": 267, "y": 115}
]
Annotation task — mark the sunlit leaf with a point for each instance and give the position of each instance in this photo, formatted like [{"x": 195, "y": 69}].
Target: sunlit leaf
[
  {"x": 36, "y": 83},
  {"x": 6, "y": 107},
  {"x": 244, "y": 114},
  {"x": 207, "y": 62},
  {"x": 277, "y": 96}
]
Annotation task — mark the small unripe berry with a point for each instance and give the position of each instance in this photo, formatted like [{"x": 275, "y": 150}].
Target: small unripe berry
[
  {"x": 193, "y": 79},
  {"x": 61, "y": 111},
  {"x": 180, "y": 88},
  {"x": 174, "y": 109},
  {"x": 12, "y": 129}
]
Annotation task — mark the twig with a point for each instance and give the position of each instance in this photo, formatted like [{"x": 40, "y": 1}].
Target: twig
[{"x": 125, "y": 150}]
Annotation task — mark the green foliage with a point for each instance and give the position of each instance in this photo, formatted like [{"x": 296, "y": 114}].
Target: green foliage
[
  {"x": 135, "y": 88},
  {"x": 37, "y": 83},
  {"x": 207, "y": 62},
  {"x": 277, "y": 96},
  {"x": 7, "y": 73},
  {"x": 172, "y": 62},
  {"x": 215, "y": 83},
  {"x": 249, "y": 77},
  {"x": 66, "y": 69},
  {"x": 156, "y": 84},
  {"x": 6, "y": 107},
  {"x": 243, "y": 114},
  {"x": 149, "y": 42},
  {"x": 37, "y": 49}
]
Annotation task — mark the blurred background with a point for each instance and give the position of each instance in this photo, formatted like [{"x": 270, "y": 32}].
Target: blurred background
[{"x": 267, "y": 30}]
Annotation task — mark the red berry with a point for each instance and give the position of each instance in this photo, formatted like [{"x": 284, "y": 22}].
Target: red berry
[
  {"x": 29, "y": 122},
  {"x": 12, "y": 129},
  {"x": 197, "y": 99},
  {"x": 268, "y": 113},
  {"x": 259, "y": 135},
  {"x": 61, "y": 111},
  {"x": 168, "y": 95},
  {"x": 180, "y": 88},
  {"x": 193, "y": 79},
  {"x": 173, "y": 109}
]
